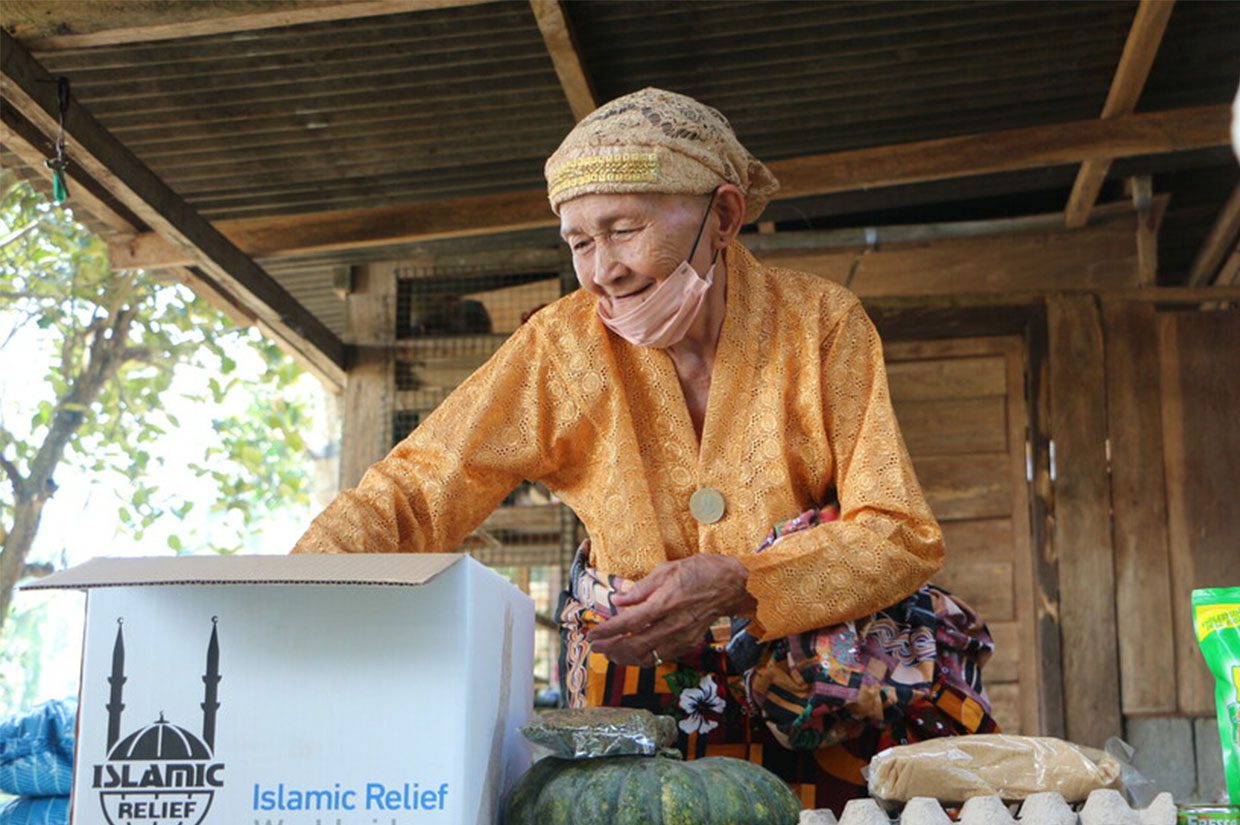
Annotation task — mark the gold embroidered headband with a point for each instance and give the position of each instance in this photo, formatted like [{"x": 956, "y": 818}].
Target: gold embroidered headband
[{"x": 660, "y": 142}]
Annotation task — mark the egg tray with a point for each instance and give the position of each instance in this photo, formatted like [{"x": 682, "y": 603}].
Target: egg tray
[{"x": 1106, "y": 807}]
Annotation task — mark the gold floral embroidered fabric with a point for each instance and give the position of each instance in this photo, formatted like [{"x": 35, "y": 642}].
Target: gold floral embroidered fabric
[
  {"x": 798, "y": 404},
  {"x": 622, "y": 168}
]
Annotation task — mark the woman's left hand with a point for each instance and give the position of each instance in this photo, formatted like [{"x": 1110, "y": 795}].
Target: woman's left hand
[{"x": 667, "y": 614}]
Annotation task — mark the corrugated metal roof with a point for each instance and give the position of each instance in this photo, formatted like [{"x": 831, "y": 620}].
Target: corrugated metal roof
[
  {"x": 351, "y": 113},
  {"x": 802, "y": 79},
  {"x": 464, "y": 101},
  {"x": 1198, "y": 61}
]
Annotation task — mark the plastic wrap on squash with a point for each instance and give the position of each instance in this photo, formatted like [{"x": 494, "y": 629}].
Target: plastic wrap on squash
[{"x": 591, "y": 733}]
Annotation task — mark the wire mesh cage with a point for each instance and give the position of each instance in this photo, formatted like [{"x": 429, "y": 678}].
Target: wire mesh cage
[
  {"x": 451, "y": 303},
  {"x": 449, "y": 321}
]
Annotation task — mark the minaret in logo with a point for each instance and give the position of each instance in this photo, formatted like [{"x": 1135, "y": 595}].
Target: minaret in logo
[
  {"x": 179, "y": 778},
  {"x": 117, "y": 681}
]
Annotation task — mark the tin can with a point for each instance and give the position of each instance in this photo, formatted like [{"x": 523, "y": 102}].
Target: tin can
[{"x": 1208, "y": 815}]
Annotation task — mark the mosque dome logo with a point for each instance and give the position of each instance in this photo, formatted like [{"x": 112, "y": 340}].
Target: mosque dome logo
[
  {"x": 161, "y": 740},
  {"x": 161, "y": 773}
]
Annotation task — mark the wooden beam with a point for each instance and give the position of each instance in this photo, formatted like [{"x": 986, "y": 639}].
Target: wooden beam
[
  {"x": 60, "y": 25},
  {"x": 1221, "y": 241},
  {"x": 557, "y": 33},
  {"x": 1102, "y": 257},
  {"x": 856, "y": 238},
  {"x": 1140, "y": 48},
  {"x": 1144, "y": 37},
  {"x": 19, "y": 136},
  {"x": 24, "y": 140},
  {"x": 354, "y": 228},
  {"x": 1051, "y": 144},
  {"x": 1150, "y": 211},
  {"x": 1082, "y": 524},
  {"x": 1229, "y": 273},
  {"x": 990, "y": 301},
  {"x": 304, "y": 234},
  {"x": 1012, "y": 150},
  {"x": 1171, "y": 295},
  {"x": 28, "y": 87}
]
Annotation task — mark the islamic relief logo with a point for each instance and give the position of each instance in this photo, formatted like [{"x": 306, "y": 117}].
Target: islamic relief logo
[{"x": 161, "y": 772}]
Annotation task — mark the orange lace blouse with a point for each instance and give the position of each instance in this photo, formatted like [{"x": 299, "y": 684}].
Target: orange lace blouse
[{"x": 798, "y": 404}]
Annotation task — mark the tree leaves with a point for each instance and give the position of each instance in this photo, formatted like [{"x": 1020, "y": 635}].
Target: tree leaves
[{"x": 113, "y": 345}]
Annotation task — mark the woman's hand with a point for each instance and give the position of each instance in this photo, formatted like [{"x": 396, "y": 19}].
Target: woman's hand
[{"x": 671, "y": 609}]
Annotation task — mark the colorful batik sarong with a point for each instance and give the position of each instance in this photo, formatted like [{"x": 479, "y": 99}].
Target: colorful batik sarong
[{"x": 814, "y": 707}]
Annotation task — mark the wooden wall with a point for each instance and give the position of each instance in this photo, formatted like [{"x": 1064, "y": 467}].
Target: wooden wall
[
  {"x": 1081, "y": 533},
  {"x": 961, "y": 409},
  {"x": 1135, "y": 460},
  {"x": 1139, "y": 509},
  {"x": 1148, "y": 461},
  {"x": 1200, "y": 377}
]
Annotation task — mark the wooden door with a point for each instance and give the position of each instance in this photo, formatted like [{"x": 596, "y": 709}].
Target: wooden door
[
  {"x": 961, "y": 407},
  {"x": 1200, "y": 366}
]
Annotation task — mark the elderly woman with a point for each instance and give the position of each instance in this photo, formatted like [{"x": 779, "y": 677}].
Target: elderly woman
[{"x": 759, "y": 546}]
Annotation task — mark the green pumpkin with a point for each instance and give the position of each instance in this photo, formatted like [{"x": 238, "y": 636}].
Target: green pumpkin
[{"x": 651, "y": 790}]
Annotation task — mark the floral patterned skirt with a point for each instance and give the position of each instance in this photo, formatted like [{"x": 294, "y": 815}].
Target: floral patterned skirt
[{"x": 813, "y": 708}]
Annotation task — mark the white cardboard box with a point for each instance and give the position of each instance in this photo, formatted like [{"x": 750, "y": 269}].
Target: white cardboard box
[{"x": 303, "y": 690}]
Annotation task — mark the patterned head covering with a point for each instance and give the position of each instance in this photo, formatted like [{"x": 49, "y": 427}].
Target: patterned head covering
[{"x": 655, "y": 141}]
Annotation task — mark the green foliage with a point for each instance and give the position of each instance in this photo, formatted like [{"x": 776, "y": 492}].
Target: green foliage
[
  {"x": 25, "y": 644},
  {"x": 61, "y": 303}
]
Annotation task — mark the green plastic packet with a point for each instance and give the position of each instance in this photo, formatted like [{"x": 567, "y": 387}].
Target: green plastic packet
[{"x": 1216, "y": 617}]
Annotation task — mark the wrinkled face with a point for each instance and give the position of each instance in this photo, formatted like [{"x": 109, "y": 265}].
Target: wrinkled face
[{"x": 623, "y": 245}]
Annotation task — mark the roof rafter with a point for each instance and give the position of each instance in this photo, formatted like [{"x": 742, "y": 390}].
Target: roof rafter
[
  {"x": 1222, "y": 242},
  {"x": 95, "y": 23},
  {"x": 557, "y": 33},
  {"x": 919, "y": 162},
  {"x": 31, "y": 90},
  {"x": 24, "y": 140},
  {"x": 1133, "y": 70},
  {"x": 1229, "y": 274},
  {"x": 1050, "y": 144}
]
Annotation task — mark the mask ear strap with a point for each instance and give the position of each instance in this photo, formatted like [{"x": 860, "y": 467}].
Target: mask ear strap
[{"x": 702, "y": 225}]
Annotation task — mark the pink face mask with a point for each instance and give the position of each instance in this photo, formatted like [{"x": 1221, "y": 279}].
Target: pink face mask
[{"x": 663, "y": 319}]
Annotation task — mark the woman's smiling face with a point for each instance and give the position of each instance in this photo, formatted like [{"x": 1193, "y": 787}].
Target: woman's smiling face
[{"x": 623, "y": 245}]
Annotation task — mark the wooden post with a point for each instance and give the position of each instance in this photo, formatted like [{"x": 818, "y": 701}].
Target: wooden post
[
  {"x": 1149, "y": 217},
  {"x": 1139, "y": 509},
  {"x": 370, "y": 324},
  {"x": 1082, "y": 530}
]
